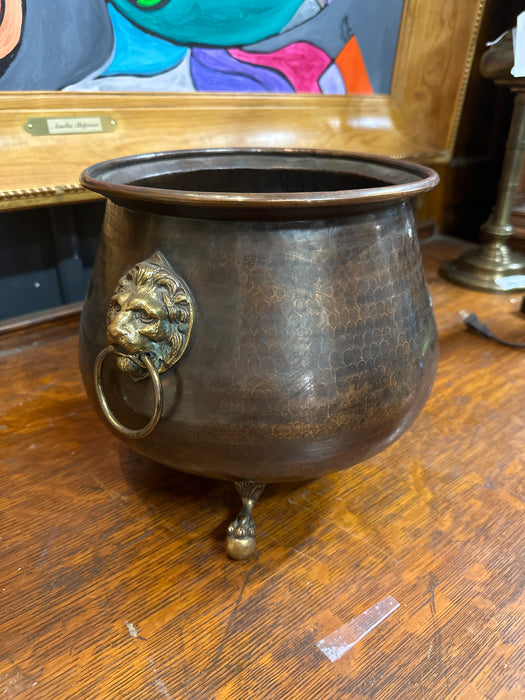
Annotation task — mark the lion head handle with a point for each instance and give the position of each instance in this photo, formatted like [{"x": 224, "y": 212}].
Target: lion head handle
[{"x": 151, "y": 312}]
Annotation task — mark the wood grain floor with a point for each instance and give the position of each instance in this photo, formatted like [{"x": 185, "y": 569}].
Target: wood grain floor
[{"x": 113, "y": 581}]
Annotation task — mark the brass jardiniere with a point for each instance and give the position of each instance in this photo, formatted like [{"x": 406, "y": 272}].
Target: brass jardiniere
[{"x": 258, "y": 315}]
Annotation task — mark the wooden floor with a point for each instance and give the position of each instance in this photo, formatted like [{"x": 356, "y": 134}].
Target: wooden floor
[{"x": 114, "y": 584}]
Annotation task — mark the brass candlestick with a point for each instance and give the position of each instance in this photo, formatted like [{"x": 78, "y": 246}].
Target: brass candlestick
[{"x": 494, "y": 267}]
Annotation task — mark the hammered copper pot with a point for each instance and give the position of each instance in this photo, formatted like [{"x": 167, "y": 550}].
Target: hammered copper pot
[{"x": 258, "y": 315}]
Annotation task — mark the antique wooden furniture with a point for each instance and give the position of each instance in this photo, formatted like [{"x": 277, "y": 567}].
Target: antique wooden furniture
[{"x": 113, "y": 583}]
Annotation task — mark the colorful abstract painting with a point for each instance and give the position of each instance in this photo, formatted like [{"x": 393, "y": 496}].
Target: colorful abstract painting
[{"x": 273, "y": 46}]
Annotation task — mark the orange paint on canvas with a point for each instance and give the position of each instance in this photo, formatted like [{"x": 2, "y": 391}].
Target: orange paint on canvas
[
  {"x": 352, "y": 68},
  {"x": 11, "y": 26}
]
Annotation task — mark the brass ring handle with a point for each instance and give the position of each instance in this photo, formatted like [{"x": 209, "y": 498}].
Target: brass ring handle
[{"x": 157, "y": 390}]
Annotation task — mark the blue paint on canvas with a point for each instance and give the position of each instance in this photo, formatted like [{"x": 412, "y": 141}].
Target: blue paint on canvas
[
  {"x": 202, "y": 45},
  {"x": 212, "y": 22},
  {"x": 138, "y": 53}
]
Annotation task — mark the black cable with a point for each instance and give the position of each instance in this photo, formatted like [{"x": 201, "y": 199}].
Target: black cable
[{"x": 474, "y": 325}]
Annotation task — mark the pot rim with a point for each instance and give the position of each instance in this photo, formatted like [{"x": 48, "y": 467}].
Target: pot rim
[{"x": 98, "y": 178}]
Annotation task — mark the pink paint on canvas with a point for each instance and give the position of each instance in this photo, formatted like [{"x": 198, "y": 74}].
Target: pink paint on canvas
[{"x": 301, "y": 63}]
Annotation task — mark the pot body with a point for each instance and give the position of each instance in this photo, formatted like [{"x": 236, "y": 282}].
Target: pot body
[{"x": 314, "y": 343}]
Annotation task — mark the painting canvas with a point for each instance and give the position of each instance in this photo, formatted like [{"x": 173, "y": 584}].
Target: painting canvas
[{"x": 269, "y": 46}]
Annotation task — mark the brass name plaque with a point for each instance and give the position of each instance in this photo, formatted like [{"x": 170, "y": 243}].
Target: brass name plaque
[{"x": 63, "y": 126}]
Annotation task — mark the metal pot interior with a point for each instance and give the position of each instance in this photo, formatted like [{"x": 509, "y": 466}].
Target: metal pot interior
[{"x": 259, "y": 180}]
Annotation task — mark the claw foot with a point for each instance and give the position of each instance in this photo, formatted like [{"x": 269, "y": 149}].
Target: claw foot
[{"x": 240, "y": 540}]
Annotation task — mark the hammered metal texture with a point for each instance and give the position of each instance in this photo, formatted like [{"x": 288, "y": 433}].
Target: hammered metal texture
[{"x": 315, "y": 343}]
